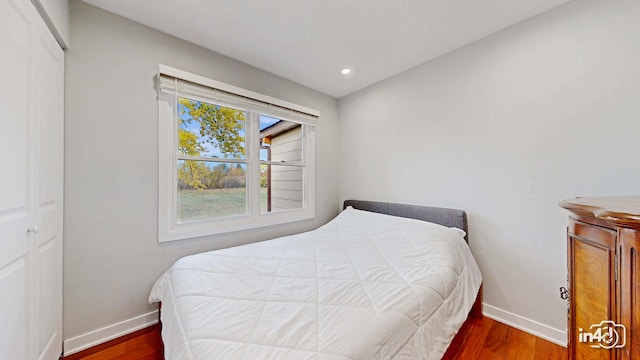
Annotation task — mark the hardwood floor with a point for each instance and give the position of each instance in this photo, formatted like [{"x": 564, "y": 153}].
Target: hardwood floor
[
  {"x": 489, "y": 339},
  {"x": 144, "y": 344},
  {"x": 485, "y": 339}
]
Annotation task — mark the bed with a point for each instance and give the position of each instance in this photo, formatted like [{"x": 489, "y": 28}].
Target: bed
[{"x": 380, "y": 281}]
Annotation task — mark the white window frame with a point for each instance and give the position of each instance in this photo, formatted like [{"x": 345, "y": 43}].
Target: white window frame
[{"x": 255, "y": 104}]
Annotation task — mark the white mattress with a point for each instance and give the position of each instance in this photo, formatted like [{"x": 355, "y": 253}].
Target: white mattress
[{"x": 364, "y": 286}]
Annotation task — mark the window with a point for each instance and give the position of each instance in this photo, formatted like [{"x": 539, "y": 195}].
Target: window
[{"x": 230, "y": 159}]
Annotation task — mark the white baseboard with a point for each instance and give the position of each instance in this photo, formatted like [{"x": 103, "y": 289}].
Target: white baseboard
[
  {"x": 527, "y": 325},
  {"x": 99, "y": 336}
]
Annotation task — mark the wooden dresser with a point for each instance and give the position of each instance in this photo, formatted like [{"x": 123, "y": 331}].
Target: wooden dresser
[{"x": 603, "y": 267}]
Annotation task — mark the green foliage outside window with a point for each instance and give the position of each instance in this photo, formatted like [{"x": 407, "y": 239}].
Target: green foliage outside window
[{"x": 221, "y": 128}]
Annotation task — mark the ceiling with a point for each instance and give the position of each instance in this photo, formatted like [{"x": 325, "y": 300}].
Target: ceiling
[{"x": 310, "y": 41}]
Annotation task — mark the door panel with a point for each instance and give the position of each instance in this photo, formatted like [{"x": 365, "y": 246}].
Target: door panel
[
  {"x": 49, "y": 150},
  {"x": 13, "y": 312},
  {"x": 592, "y": 285},
  {"x": 16, "y": 203},
  {"x": 15, "y": 131}
]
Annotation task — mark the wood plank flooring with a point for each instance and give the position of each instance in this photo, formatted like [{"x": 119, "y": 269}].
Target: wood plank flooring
[
  {"x": 485, "y": 339},
  {"x": 144, "y": 344},
  {"x": 489, "y": 339}
]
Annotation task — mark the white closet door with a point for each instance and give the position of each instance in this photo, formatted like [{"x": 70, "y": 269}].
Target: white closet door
[
  {"x": 31, "y": 151},
  {"x": 48, "y": 159},
  {"x": 16, "y": 203}
]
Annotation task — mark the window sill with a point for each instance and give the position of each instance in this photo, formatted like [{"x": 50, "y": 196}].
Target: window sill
[{"x": 217, "y": 227}]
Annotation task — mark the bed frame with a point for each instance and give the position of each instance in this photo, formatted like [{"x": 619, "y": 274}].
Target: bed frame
[{"x": 442, "y": 216}]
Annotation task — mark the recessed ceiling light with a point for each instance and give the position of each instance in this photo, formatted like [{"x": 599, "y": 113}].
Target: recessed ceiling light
[{"x": 345, "y": 71}]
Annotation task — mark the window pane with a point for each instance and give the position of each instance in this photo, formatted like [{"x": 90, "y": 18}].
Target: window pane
[
  {"x": 282, "y": 188},
  {"x": 210, "y": 190},
  {"x": 280, "y": 140},
  {"x": 210, "y": 130}
]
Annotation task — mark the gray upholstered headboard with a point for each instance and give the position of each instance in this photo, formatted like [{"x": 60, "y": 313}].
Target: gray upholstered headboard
[{"x": 442, "y": 216}]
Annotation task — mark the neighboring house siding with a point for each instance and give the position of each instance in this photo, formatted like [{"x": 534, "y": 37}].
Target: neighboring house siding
[{"x": 286, "y": 181}]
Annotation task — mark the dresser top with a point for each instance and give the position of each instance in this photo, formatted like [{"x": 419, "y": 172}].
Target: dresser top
[{"x": 618, "y": 210}]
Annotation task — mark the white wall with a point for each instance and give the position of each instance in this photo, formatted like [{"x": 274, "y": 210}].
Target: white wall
[
  {"x": 505, "y": 129},
  {"x": 112, "y": 255}
]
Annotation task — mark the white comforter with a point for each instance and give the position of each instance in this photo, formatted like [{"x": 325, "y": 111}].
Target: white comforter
[{"x": 364, "y": 286}]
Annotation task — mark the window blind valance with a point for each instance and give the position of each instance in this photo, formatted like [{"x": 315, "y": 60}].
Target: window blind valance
[{"x": 197, "y": 87}]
